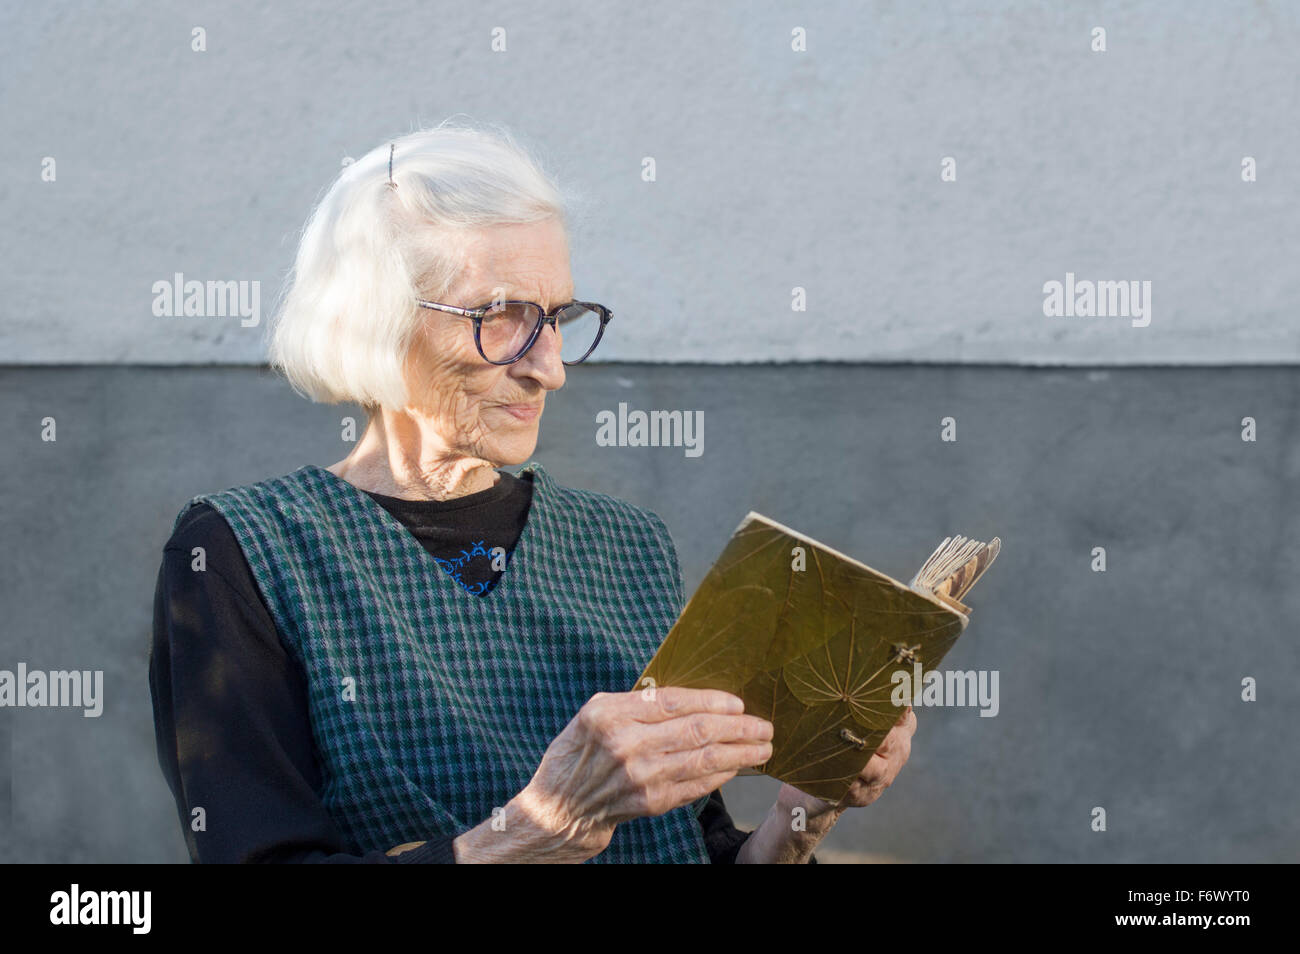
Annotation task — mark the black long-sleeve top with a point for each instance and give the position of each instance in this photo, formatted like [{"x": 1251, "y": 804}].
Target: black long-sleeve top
[{"x": 217, "y": 660}]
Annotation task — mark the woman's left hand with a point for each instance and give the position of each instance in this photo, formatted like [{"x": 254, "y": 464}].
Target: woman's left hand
[
  {"x": 878, "y": 774},
  {"x": 779, "y": 840}
]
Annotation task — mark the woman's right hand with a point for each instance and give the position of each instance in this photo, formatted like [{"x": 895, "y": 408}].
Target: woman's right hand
[{"x": 624, "y": 755}]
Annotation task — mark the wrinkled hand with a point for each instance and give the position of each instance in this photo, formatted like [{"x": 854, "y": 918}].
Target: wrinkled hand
[
  {"x": 880, "y": 771},
  {"x": 633, "y": 754}
]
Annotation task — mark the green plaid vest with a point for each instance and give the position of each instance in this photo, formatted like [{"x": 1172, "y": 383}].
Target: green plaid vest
[{"x": 431, "y": 706}]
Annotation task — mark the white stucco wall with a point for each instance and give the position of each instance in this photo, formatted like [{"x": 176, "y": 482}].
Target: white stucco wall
[{"x": 775, "y": 168}]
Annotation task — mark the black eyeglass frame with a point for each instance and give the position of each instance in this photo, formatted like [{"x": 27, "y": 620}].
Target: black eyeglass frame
[{"x": 478, "y": 314}]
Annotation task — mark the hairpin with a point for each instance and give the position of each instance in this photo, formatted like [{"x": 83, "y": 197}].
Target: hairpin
[{"x": 391, "y": 149}]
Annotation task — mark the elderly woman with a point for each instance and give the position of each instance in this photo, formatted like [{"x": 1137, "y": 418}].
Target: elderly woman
[{"x": 414, "y": 655}]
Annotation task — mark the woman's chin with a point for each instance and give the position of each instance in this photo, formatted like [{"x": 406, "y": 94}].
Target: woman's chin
[{"x": 510, "y": 452}]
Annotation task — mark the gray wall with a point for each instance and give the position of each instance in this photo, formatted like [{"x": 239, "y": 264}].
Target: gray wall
[{"x": 1118, "y": 689}]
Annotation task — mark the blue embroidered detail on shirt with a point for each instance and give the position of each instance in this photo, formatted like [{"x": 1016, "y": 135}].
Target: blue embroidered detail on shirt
[{"x": 456, "y": 568}]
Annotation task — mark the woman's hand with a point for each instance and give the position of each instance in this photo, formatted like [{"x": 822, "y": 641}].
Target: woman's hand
[
  {"x": 623, "y": 756},
  {"x": 780, "y": 840},
  {"x": 878, "y": 774}
]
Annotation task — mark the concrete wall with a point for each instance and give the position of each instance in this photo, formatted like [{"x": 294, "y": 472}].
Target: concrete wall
[
  {"x": 1119, "y": 689},
  {"x": 775, "y": 169}
]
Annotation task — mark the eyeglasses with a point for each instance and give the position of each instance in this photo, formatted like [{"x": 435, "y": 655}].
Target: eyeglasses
[{"x": 504, "y": 331}]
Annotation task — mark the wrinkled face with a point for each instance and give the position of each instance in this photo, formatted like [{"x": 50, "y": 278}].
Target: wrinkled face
[{"x": 462, "y": 399}]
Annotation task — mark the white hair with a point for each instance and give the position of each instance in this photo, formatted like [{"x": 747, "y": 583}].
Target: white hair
[{"x": 347, "y": 314}]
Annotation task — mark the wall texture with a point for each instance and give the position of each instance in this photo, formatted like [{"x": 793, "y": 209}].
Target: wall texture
[
  {"x": 775, "y": 169},
  {"x": 1119, "y": 689}
]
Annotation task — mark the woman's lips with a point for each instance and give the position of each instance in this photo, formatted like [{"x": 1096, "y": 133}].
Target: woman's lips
[{"x": 525, "y": 412}]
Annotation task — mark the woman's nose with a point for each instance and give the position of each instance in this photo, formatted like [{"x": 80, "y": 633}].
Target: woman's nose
[{"x": 544, "y": 359}]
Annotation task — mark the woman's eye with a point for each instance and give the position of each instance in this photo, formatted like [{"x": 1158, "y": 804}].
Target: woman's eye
[{"x": 504, "y": 311}]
